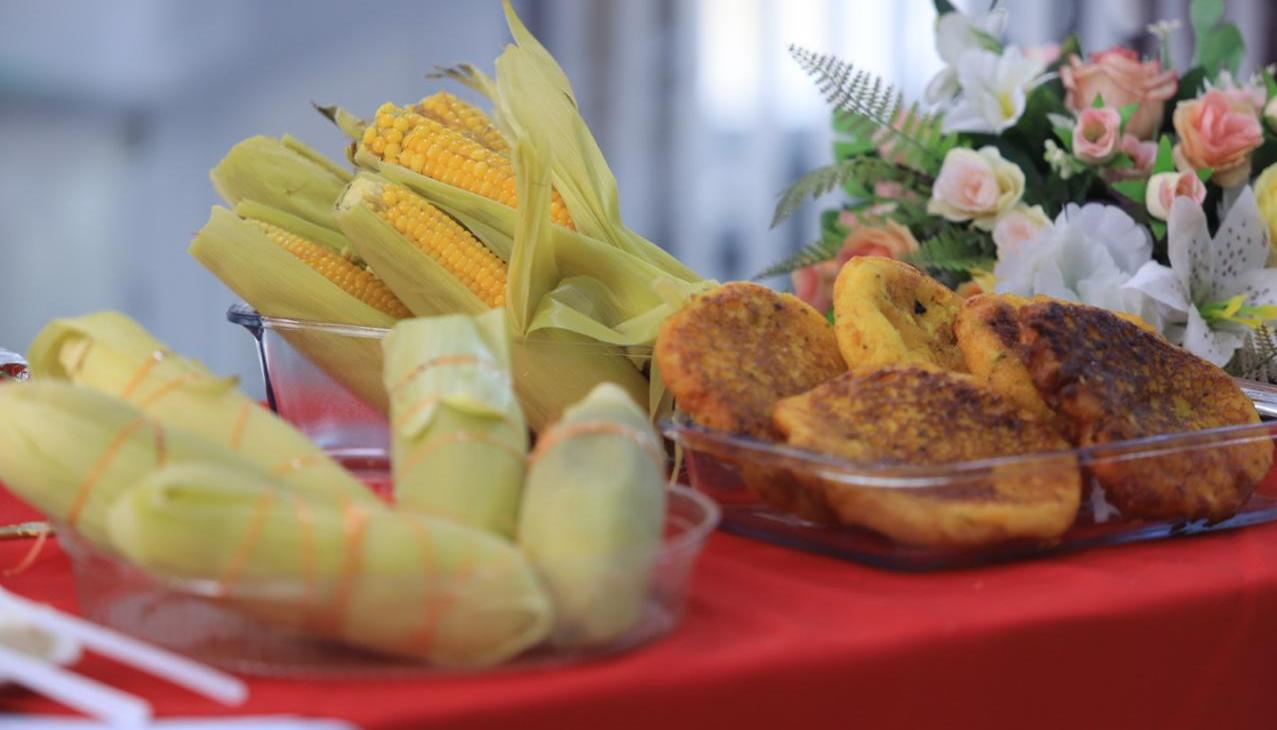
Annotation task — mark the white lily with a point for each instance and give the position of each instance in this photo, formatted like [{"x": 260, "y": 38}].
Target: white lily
[
  {"x": 1085, "y": 256},
  {"x": 995, "y": 90},
  {"x": 957, "y": 33},
  {"x": 1215, "y": 289}
]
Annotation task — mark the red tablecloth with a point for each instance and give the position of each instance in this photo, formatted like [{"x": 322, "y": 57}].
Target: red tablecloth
[{"x": 1176, "y": 634}]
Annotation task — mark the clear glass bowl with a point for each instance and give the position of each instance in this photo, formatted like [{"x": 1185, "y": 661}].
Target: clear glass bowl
[
  {"x": 253, "y": 627},
  {"x": 720, "y": 465},
  {"x": 325, "y": 378}
]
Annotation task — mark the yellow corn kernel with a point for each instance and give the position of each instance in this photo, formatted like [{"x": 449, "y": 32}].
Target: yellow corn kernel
[
  {"x": 358, "y": 282},
  {"x": 464, "y": 118},
  {"x": 434, "y": 150},
  {"x": 441, "y": 238}
]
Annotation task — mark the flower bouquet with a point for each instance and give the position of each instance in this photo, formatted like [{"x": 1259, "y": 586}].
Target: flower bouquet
[{"x": 1109, "y": 179}]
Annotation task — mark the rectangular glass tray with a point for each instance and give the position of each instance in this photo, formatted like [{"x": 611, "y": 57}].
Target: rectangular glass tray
[{"x": 715, "y": 460}]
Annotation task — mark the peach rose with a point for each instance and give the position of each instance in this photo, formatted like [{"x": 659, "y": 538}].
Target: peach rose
[
  {"x": 1120, "y": 78},
  {"x": 1095, "y": 135},
  {"x": 1165, "y": 187},
  {"x": 889, "y": 239},
  {"x": 815, "y": 284},
  {"x": 1220, "y": 132},
  {"x": 975, "y": 186}
]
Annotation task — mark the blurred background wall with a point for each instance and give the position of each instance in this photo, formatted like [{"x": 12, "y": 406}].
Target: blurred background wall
[{"x": 111, "y": 115}]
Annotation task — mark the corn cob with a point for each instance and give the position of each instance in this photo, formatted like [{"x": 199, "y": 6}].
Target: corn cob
[
  {"x": 356, "y": 281},
  {"x": 592, "y": 513},
  {"x": 111, "y": 353},
  {"x": 464, "y": 118},
  {"x": 428, "y": 289},
  {"x": 459, "y": 438},
  {"x": 72, "y": 451},
  {"x": 443, "y": 239},
  {"x": 371, "y": 577},
  {"x": 278, "y": 284},
  {"x": 408, "y": 139}
]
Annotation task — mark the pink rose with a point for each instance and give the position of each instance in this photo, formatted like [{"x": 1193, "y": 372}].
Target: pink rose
[
  {"x": 1165, "y": 187},
  {"x": 1143, "y": 155},
  {"x": 1219, "y": 131},
  {"x": 1095, "y": 135},
  {"x": 1120, "y": 78},
  {"x": 1017, "y": 227},
  {"x": 815, "y": 284}
]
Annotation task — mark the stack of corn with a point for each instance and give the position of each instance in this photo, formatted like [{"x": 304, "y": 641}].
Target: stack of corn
[{"x": 441, "y": 220}]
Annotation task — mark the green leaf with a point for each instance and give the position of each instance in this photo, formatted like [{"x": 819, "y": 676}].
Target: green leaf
[
  {"x": 1204, "y": 14},
  {"x": 1133, "y": 189},
  {"x": 1270, "y": 83},
  {"x": 1165, "y": 161},
  {"x": 1121, "y": 161},
  {"x": 1205, "y": 173},
  {"x": 1190, "y": 85},
  {"x": 1221, "y": 48},
  {"x": 1159, "y": 228},
  {"x": 955, "y": 249},
  {"x": 860, "y": 170},
  {"x": 944, "y": 6},
  {"x": 1065, "y": 135},
  {"x": 1127, "y": 111},
  {"x": 1098, "y": 102},
  {"x": 918, "y": 137}
]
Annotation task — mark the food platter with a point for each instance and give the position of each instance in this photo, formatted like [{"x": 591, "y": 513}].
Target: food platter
[{"x": 714, "y": 461}]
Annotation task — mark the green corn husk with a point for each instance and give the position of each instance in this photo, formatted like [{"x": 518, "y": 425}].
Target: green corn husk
[
  {"x": 63, "y": 444},
  {"x": 388, "y": 581},
  {"x": 277, "y": 284},
  {"x": 459, "y": 438},
  {"x": 286, "y": 175},
  {"x": 111, "y": 353},
  {"x": 592, "y": 514},
  {"x": 427, "y": 289}
]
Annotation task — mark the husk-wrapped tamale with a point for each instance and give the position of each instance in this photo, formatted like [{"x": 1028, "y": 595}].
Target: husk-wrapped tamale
[
  {"x": 390, "y": 581},
  {"x": 459, "y": 438},
  {"x": 592, "y": 514},
  {"x": 111, "y": 353},
  {"x": 70, "y": 451}
]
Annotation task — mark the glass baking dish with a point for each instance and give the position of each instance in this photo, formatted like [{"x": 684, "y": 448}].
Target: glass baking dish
[
  {"x": 325, "y": 378},
  {"x": 252, "y": 626},
  {"x": 719, "y": 464}
]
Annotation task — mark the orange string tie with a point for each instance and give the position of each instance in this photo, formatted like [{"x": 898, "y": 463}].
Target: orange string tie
[
  {"x": 108, "y": 456},
  {"x": 414, "y": 409},
  {"x": 598, "y": 428},
  {"x": 354, "y": 525},
  {"x": 243, "y": 551},
  {"x": 139, "y": 375},
  {"x": 168, "y": 387},
  {"x": 28, "y": 559},
  {"x": 444, "y": 361},
  {"x": 306, "y": 547},
  {"x": 241, "y": 420}
]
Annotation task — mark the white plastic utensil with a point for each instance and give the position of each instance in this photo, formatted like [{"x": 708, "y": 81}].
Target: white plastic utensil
[
  {"x": 116, "y": 708},
  {"x": 177, "y": 669}
]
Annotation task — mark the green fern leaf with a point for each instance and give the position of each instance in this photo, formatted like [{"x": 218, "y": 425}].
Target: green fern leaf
[
  {"x": 954, "y": 251},
  {"x": 852, "y": 90},
  {"x": 825, "y": 179}
]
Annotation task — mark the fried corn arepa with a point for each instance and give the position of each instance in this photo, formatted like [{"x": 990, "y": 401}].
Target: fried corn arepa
[
  {"x": 886, "y": 312},
  {"x": 988, "y": 333},
  {"x": 918, "y": 415},
  {"x": 1109, "y": 380},
  {"x": 729, "y": 354}
]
